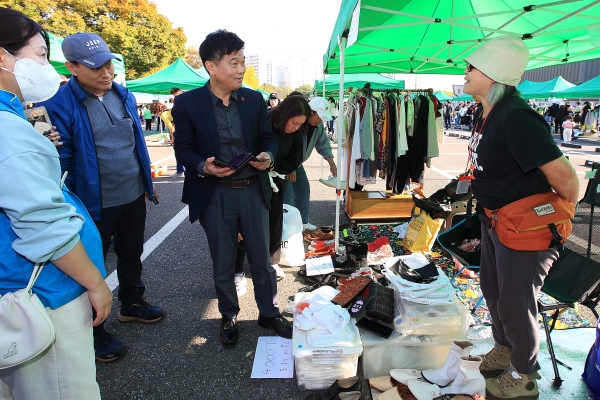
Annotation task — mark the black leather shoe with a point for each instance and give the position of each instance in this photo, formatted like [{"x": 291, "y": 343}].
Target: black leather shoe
[
  {"x": 228, "y": 332},
  {"x": 347, "y": 386},
  {"x": 280, "y": 325}
]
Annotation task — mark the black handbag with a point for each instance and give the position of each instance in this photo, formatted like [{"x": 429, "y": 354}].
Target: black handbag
[
  {"x": 381, "y": 305},
  {"x": 425, "y": 274},
  {"x": 448, "y": 194},
  {"x": 433, "y": 207}
]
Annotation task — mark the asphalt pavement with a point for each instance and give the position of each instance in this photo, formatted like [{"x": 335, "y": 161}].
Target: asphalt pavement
[{"x": 181, "y": 356}]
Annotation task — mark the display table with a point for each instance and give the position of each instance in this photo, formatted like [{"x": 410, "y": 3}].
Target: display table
[{"x": 372, "y": 205}]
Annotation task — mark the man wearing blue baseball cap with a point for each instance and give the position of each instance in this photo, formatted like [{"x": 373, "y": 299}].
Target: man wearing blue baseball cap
[{"x": 104, "y": 152}]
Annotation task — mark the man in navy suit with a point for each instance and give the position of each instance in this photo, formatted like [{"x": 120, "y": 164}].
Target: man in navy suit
[{"x": 215, "y": 122}]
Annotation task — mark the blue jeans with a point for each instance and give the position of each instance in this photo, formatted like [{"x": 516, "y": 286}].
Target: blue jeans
[{"x": 297, "y": 194}]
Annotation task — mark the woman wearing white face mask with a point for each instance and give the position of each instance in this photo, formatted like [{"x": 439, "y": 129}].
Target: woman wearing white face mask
[{"x": 38, "y": 225}]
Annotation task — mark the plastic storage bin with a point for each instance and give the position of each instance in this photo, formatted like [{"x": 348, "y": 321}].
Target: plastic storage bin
[
  {"x": 438, "y": 319},
  {"x": 318, "y": 367},
  {"x": 413, "y": 351}
]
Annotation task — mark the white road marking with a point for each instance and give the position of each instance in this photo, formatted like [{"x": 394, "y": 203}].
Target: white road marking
[
  {"x": 164, "y": 159},
  {"x": 439, "y": 171},
  {"x": 152, "y": 243}
]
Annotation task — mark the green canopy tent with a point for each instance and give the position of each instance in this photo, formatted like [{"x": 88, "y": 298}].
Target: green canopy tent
[
  {"x": 434, "y": 37},
  {"x": 377, "y": 81},
  {"x": 179, "y": 74},
  {"x": 57, "y": 59},
  {"x": 590, "y": 88},
  {"x": 542, "y": 90},
  {"x": 441, "y": 96}
]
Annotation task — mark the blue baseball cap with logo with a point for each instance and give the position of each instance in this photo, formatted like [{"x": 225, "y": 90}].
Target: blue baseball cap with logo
[{"x": 88, "y": 49}]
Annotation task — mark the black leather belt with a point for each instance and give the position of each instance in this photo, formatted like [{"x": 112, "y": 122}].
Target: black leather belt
[{"x": 241, "y": 184}]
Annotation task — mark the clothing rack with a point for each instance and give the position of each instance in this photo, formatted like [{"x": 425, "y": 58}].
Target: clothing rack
[
  {"x": 367, "y": 90},
  {"x": 374, "y": 205}
]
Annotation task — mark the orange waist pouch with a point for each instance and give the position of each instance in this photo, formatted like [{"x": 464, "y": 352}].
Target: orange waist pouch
[{"x": 533, "y": 223}]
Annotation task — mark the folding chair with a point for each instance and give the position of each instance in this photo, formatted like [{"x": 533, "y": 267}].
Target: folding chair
[{"x": 574, "y": 277}]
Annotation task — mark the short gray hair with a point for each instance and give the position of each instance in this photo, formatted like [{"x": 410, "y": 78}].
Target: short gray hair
[{"x": 498, "y": 91}]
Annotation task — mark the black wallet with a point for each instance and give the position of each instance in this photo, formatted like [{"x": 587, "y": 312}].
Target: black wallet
[
  {"x": 381, "y": 305},
  {"x": 237, "y": 162}
]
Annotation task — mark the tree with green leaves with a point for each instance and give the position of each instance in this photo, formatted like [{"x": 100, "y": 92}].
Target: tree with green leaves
[
  {"x": 192, "y": 57},
  {"x": 305, "y": 89},
  {"x": 250, "y": 77},
  {"x": 267, "y": 87},
  {"x": 133, "y": 28}
]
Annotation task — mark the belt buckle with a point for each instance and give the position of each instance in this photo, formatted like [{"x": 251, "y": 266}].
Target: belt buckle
[{"x": 240, "y": 184}]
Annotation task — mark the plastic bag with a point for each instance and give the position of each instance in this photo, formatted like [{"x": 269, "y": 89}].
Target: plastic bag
[
  {"x": 421, "y": 233},
  {"x": 292, "y": 243},
  {"x": 591, "y": 372}
]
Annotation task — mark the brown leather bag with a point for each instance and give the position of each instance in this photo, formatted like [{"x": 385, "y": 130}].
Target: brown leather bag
[{"x": 534, "y": 223}]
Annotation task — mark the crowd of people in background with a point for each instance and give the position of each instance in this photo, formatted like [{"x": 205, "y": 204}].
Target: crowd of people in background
[{"x": 581, "y": 116}]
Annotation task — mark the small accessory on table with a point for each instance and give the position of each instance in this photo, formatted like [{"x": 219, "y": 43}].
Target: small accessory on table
[{"x": 350, "y": 290}]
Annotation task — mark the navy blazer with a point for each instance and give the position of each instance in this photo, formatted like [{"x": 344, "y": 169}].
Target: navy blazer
[{"x": 197, "y": 139}]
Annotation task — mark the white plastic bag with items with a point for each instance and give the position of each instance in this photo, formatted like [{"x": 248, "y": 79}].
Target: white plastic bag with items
[{"x": 292, "y": 243}]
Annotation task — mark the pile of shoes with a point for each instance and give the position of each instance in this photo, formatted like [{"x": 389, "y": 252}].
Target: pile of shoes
[
  {"x": 459, "y": 376},
  {"x": 343, "y": 389},
  {"x": 321, "y": 233},
  {"x": 320, "y": 248},
  {"x": 355, "y": 257}
]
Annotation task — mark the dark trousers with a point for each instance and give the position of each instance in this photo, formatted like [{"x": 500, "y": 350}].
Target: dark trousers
[
  {"x": 558, "y": 128},
  {"x": 126, "y": 223},
  {"x": 448, "y": 121},
  {"x": 276, "y": 221},
  {"x": 511, "y": 282},
  {"x": 148, "y": 125},
  {"x": 245, "y": 211}
]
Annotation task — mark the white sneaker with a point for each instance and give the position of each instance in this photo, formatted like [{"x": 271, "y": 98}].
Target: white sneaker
[
  {"x": 309, "y": 227},
  {"x": 280, "y": 273},
  {"x": 240, "y": 279},
  {"x": 332, "y": 182},
  {"x": 241, "y": 290}
]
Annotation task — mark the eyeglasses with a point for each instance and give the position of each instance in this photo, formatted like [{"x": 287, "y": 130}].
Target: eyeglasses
[{"x": 470, "y": 67}]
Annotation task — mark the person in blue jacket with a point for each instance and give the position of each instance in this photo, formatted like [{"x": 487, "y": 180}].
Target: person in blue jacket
[
  {"x": 38, "y": 224},
  {"x": 105, "y": 153}
]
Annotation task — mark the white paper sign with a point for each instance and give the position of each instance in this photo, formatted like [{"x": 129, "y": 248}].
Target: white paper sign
[
  {"x": 319, "y": 266},
  {"x": 457, "y": 90},
  {"x": 273, "y": 358}
]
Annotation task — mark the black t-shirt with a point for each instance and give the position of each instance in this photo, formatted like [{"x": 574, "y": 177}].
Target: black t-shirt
[{"x": 514, "y": 142}]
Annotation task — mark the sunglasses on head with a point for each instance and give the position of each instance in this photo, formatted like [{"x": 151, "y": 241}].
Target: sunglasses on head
[{"x": 470, "y": 67}]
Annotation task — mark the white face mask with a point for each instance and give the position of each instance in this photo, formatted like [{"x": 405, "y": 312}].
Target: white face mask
[{"x": 37, "y": 82}]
